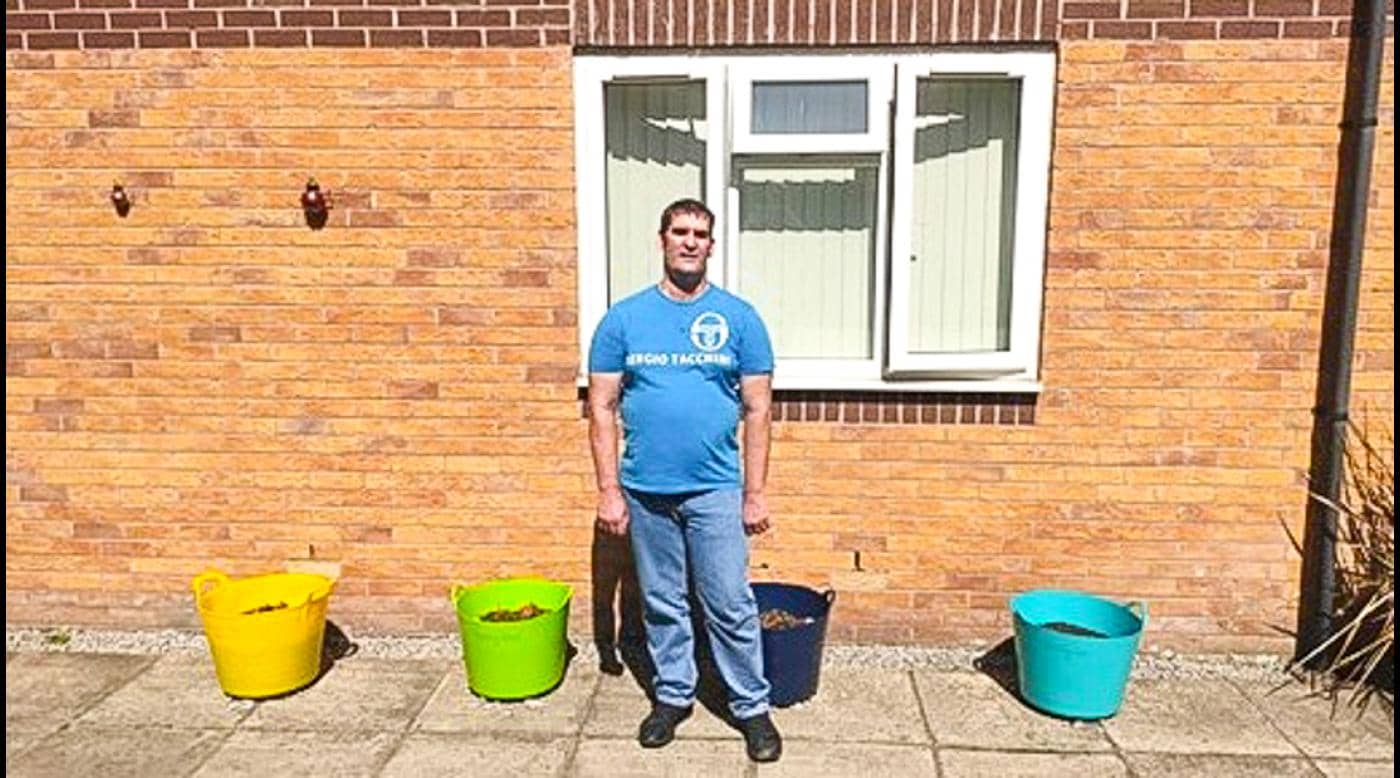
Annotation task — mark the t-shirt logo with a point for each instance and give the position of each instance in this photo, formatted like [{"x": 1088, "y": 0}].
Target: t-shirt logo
[{"x": 709, "y": 331}]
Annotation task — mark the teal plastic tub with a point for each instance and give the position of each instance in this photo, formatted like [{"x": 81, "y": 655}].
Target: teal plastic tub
[{"x": 1074, "y": 651}]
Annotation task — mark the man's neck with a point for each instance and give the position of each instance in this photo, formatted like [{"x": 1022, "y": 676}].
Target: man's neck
[{"x": 680, "y": 294}]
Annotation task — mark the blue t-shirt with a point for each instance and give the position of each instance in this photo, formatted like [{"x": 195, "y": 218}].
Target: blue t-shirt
[{"x": 680, "y": 364}]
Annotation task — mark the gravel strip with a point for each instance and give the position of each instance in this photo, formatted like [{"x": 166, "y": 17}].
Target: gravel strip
[{"x": 1164, "y": 664}]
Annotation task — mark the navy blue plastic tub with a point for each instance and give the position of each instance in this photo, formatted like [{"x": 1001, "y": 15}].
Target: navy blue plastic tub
[{"x": 792, "y": 658}]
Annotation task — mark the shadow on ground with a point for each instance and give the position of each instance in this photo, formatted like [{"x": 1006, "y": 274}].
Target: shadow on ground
[
  {"x": 999, "y": 664},
  {"x": 617, "y": 603}
]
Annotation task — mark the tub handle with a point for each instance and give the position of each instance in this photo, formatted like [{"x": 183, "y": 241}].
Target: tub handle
[
  {"x": 1137, "y": 608},
  {"x": 830, "y": 596},
  {"x": 210, "y": 576},
  {"x": 456, "y": 592},
  {"x": 320, "y": 591}
]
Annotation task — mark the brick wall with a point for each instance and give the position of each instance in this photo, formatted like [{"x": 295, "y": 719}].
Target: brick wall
[
  {"x": 183, "y": 24},
  {"x": 841, "y": 22},
  {"x": 208, "y": 380},
  {"x": 179, "y": 24},
  {"x": 1190, "y": 213}
]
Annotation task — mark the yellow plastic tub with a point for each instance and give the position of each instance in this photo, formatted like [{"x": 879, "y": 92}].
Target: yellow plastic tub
[{"x": 264, "y": 631}]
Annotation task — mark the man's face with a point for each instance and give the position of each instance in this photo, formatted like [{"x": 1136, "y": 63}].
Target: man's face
[{"x": 687, "y": 244}]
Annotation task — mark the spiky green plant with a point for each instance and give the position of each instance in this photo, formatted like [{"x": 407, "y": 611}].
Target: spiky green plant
[{"x": 1359, "y": 654}]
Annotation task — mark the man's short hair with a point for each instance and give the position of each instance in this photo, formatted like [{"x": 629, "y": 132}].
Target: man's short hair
[{"x": 685, "y": 205}]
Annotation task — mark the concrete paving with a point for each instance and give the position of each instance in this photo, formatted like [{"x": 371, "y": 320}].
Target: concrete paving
[{"x": 72, "y": 714}]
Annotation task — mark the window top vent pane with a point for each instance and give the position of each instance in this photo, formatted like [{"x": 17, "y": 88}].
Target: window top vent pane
[{"x": 810, "y": 107}]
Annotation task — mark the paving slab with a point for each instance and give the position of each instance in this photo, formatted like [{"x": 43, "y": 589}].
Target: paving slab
[
  {"x": 858, "y": 705},
  {"x": 116, "y": 753},
  {"x": 1219, "y": 766},
  {"x": 431, "y": 754},
  {"x": 298, "y": 754},
  {"x": 454, "y": 708},
  {"x": 973, "y": 710},
  {"x": 679, "y": 759},
  {"x": 619, "y": 706},
  {"x": 17, "y": 742},
  {"x": 1193, "y": 716},
  {"x": 812, "y": 759},
  {"x": 957, "y": 763},
  {"x": 362, "y": 694},
  {"x": 110, "y": 714},
  {"x": 1319, "y": 730},
  {"x": 179, "y": 691},
  {"x": 43, "y": 691},
  {"x": 1339, "y": 768}
]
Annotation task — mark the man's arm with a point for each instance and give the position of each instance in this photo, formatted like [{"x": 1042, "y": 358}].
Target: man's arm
[
  {"x": 757, "y": 394},
  {"x": 604, "y": 390}
]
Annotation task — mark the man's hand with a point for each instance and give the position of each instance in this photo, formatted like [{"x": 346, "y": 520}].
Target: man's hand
[
  {"x": 612, "y": 512},
  {"x": 756, "y": 516}
]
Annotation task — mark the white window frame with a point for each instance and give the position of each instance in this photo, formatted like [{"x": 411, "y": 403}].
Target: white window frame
[
  {"x": 728, "y": 90},
  {"x": 591, "y": 75},
  {"x": 1036, "y": 72},
  {"x": 816, "y": 373},
  {"x": 796, "y": 70}
]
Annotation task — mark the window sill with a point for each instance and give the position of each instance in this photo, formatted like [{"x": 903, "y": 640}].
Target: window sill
[
  {"x": 895, "y": 404},
  {"x": 958, "y": 386}
]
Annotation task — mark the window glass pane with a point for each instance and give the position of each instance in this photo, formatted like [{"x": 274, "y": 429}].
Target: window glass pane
[
  {"x": 963, "y": 214},
  {"x": 806, "y": 252},
  {"x": 655, "y": 155},
  {"x": 809, "y": 107}
]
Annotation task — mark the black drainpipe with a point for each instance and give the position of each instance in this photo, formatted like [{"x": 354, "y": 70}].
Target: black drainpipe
[{"x": 1339, "y": 321}]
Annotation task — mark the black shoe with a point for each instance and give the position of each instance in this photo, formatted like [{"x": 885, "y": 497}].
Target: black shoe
[
  {"x": 761, "y": 738},
  {"x": 659, "y": 727}
]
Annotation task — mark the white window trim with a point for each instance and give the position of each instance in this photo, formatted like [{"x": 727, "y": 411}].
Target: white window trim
[
  {"x": 893, "y": 368},
  {"x": 590, "y": 139},
  {"x": 876, "y": 74},
  {"x": 797, "y": 373},
  {"x": 1036, "y": 71}
]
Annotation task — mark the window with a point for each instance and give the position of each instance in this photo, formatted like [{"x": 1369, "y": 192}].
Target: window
[
  {"x": 886, "y": 214},
  {"x": 656, "y": 137}
]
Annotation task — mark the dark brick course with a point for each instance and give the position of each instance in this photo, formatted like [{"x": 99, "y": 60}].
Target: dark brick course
[{"x": 33, "y": 24}]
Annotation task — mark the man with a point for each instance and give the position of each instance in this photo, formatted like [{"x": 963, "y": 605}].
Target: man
[{"x": 686, "y": 359}]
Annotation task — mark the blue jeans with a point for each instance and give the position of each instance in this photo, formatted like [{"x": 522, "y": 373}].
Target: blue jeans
[{"x": 699, "y": 537}]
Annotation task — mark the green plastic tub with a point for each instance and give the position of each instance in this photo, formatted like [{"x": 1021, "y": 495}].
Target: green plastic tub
[{"x": 512, "y": 660}]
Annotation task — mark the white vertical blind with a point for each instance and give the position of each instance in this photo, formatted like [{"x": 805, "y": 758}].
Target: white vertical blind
[
  {"x": 963, "y": 214},
  {"x": 655, "y": 148},
  {"x": 806, "y": 252}
]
